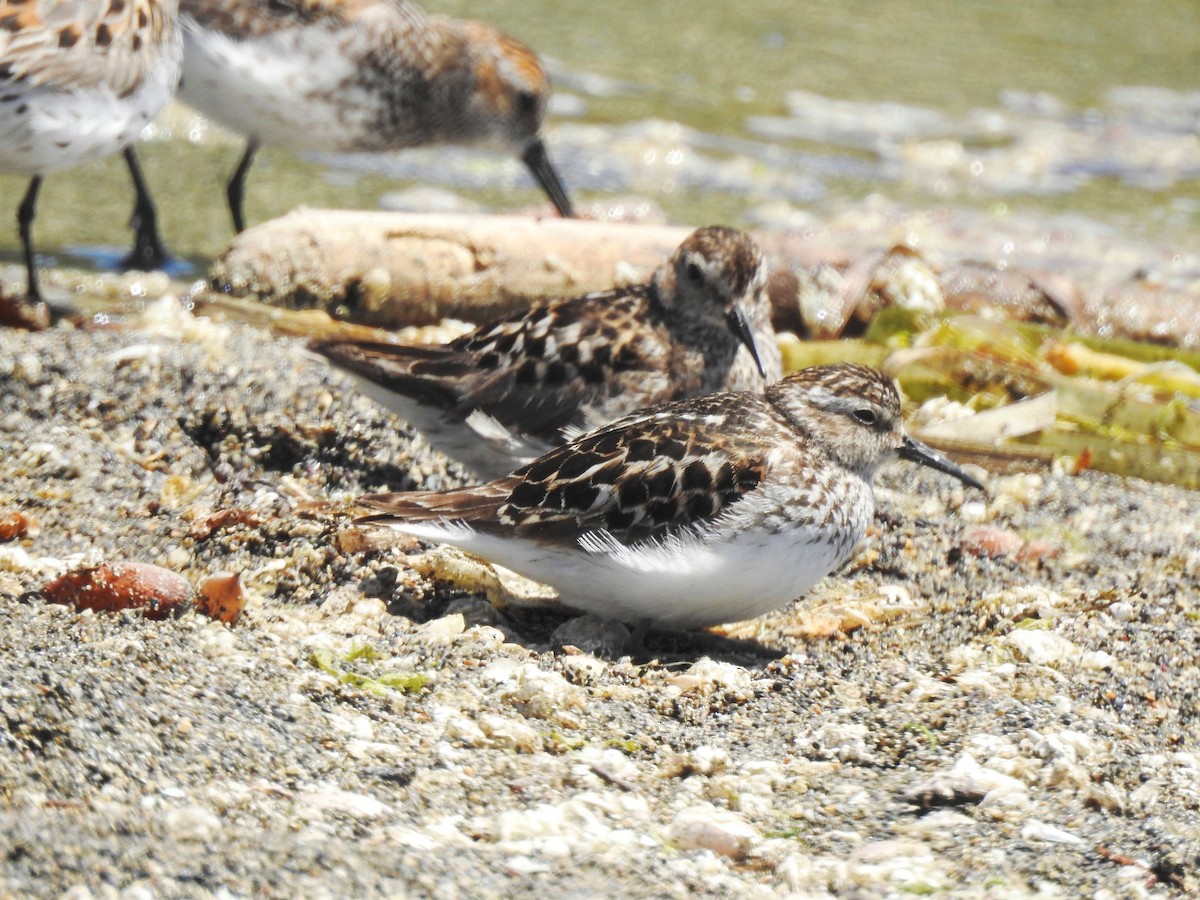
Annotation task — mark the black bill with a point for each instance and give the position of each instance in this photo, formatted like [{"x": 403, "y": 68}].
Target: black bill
[
  {"x": 538, "y": 163},
  {"x": 741, "y": 327},
  {"x": 915, "y": 451}
]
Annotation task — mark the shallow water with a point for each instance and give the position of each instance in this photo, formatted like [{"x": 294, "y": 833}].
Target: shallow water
[{"x": 758, "y": 120}]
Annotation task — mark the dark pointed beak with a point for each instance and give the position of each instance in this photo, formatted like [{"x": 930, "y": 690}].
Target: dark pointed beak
[
  {"x": 538, "y": 163},
  {"x": 915, "y": 451},
  {"x": 740, "y": 325}
]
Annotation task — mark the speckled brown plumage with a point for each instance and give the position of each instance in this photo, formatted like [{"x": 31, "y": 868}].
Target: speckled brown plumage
[
  {"x": 116, "y": 43},
  {"x": 362, "y": 76},
  {"x": 692, "y": 513},
  {"x": 580, "y": 362},
  {"x": 241, "y": 19},
  {"x": 79, "y": 81}
]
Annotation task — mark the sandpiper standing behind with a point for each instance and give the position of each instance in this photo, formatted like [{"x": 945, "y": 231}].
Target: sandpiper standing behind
[
  {"x": 79, "y": 81},
  {"x": 693, "y": 513},
  {"x": 362, "y": 75},
  {"x": 510, "y": 390}
]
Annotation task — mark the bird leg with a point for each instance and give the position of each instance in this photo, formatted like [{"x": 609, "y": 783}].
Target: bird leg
[
  {"x": 25, "y": 214},
  {"x": 148, "y": 252},
  {"x": 236, "y": 189}
]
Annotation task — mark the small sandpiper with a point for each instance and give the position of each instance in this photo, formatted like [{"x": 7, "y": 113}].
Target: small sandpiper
[
  {"x": 79, "y": 81},
  {"x": 362, "y": 75},
  {"x": 692, "y": 513},
  {"x": 505, "y": 393}
]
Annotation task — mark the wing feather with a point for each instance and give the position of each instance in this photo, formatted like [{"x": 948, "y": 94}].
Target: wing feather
[
  {"x": 534, "y": 373},
  {"x": 81, "y": 44},
  {"x": 648, "y": 477},
  {"x": 245, "y": 19}
]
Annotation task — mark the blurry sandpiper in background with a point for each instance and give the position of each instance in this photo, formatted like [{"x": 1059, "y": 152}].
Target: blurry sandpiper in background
[{"x": 770, "y": 120}]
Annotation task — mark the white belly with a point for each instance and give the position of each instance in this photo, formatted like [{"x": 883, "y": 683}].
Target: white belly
[
  {"x": 688, "y": 585},
  {"x": 45, "y": 129},
  {"x": 290, "y": 89}
]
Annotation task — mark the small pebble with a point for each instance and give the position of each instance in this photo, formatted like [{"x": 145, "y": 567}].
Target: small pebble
[
  {"x": 707, "y": 827},
  {"x": 360, "y": 806},
  {"x": 221, "y": 597},
  {"x": 538, "y": 694},
  {"x": 192, "y": 823}
]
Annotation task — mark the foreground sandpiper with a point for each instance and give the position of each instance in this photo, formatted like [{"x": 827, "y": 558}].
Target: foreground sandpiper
[
  {"x": 79, "y": 81},
  {"x": 362, "y": 76},
  {"x": 693, "y": 513},
  {"x": 503, "y": 394}
]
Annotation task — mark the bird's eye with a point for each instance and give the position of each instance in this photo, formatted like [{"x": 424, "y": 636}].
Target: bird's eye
[
  {"x": 865, "y": 416},
  {"x": 695, "y": 274},
  {"x": 527, "y": 102}
]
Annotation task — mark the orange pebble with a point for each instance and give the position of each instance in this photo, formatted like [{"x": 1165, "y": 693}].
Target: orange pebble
[
  {"x": 158, "y": 592},
  {"x": 221, "y": 597}
]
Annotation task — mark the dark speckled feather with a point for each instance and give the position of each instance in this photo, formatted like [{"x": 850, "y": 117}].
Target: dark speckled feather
[
  {"x": 695, "y": 512},
  {"x": 580, "y": 362},
  {"x": 117, "y": 43},
  {"x": 639, "y": 478},
  {"x": 535, "y": 371}
]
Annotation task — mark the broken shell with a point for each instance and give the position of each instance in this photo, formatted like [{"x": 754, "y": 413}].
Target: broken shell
[
  {"x": 221, "y": 597},
  {"x": 158, "y": 592}
]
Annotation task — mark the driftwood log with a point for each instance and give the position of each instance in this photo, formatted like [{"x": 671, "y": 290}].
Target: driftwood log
[
  {"x": 397, "y": 269},
  {"x": 393, "y": 269}
]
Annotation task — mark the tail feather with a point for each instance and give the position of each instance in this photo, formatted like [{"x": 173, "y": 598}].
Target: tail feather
[
  {"x": 433, "y": 374},
  {"x": 474, "y": 505}
]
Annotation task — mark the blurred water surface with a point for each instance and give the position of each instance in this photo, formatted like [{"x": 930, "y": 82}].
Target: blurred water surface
[{"x": 763, "y": 115}]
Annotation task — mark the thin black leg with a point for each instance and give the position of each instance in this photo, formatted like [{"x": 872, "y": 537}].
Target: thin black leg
[
  {"x": 25, "y": 214},
  {"x": 236, "y": 188},
  {"x": 148, "y": 252}
]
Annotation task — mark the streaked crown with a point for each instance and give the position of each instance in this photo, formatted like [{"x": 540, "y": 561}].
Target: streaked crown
[
  {"x": 720, "y": 262},
  {"x": 850, "y": 410}
]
